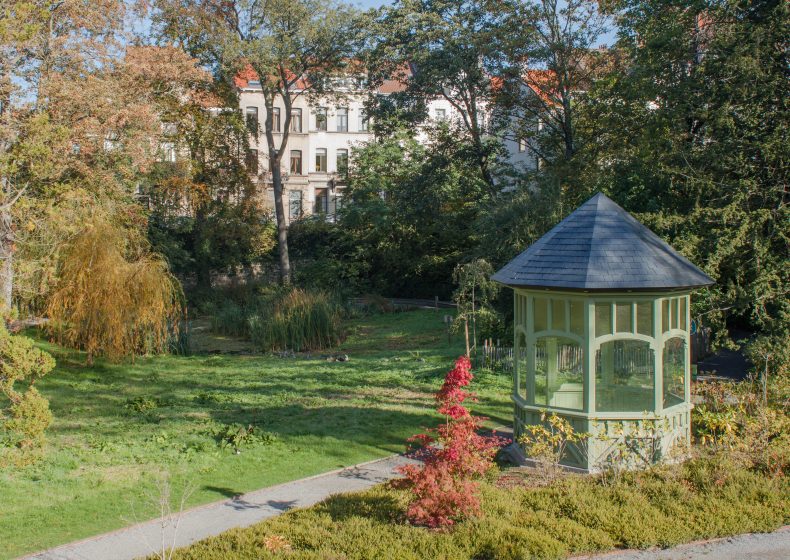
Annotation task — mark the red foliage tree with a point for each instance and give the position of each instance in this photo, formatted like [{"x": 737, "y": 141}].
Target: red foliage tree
[{"x": 454, "y": 456}]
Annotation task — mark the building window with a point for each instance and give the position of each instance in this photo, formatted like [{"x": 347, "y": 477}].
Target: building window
[
  {"x": 296, "y": 162},
  {"x": 276, "y": 119},
  {"x": 522, "y": 145},
  {"x": 251, "y": 117},
  {"x": 674, "y": 371},
  {"x": 320, "y": 119},
  {"x": 342, "y": 163},
  {"x": 364, "y": 121},
  {"x": 327, "y": 203},
  {"x": 168, "y": 152},
  {"x": 252, "y": 162},
  {"x": 441, "y": 115},
  {"x": 296, "y": 120},
  {"x": 295, "y": 205},
  {"x": 342, "y": 120},
  {"x": 321, "y": 201},
  {"x": 320, "y": 160}
]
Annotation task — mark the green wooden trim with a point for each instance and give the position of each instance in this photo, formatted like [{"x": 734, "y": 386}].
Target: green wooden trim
[
  {"x": 644, "y": 415},
  {"x": 658, "y": 357},
  {"x": 530, "y": 373},
  {"x": 589, "y": 358}
]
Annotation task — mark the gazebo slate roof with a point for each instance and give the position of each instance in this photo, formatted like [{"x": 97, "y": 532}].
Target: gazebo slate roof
[{"x": 601, "y": 247}]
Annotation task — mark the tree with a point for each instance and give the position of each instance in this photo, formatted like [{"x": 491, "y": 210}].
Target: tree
[
  {"x": 81, "y": 125},
  {"x": 692, "y": 135},
  {"x": 411, "y": 212},
  {"x": 458, "y": 50},
  {"x": 37, "y": 41},
  {"x": 206, "y": 214},
  {"x": 454, "y": 457},
  {"x": 556, "y": 65},
  {"x": 24, "y": 413},
  {"x": 114, "y": 298},
  {"x": 473, "y": 296},
  {"x": 293, "y": 47}
]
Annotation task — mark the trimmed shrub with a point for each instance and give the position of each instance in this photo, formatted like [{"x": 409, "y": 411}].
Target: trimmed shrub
[{"x": 575, "y": 515}]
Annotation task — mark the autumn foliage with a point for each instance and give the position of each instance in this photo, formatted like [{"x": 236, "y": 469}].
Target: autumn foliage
[
  {"x": 114, "y": 300},
  {"x": 454, "y": 457}
]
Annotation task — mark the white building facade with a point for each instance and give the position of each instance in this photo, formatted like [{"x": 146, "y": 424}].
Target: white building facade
[{"x": 323, "y": 135}]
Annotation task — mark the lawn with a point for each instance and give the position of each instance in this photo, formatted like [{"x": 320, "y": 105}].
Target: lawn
[{"x": 118, "y": 427}]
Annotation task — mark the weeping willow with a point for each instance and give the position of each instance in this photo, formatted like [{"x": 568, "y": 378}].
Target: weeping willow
[{"x": 113, "y": 301}]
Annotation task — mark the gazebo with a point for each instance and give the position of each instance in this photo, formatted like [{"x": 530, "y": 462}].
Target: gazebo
[{"x": 602, "y": 332}]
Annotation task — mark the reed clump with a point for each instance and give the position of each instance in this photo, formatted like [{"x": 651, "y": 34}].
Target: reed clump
[
  {"x": 298, "y": 320},
  {"x": 283, "y": 319}
]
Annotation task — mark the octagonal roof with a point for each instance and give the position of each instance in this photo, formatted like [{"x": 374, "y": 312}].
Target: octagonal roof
[{"x": 601, "y": 247}]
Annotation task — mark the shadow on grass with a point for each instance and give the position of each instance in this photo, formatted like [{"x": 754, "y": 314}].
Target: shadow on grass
[{"x": 222, "y": 491}]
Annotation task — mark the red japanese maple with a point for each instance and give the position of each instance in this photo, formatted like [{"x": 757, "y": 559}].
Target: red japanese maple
[{"x": 454, "y": 456}]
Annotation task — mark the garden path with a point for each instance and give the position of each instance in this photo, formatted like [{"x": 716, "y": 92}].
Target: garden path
[
  {"x": 762, "y": 546},
  {"x": 241, "y": 511}
]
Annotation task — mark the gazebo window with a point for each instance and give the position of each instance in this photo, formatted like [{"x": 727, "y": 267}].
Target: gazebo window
[
  {"x": 541, "y": 314},
  {"x": 674, "y": 371},
  {"x": 521, "y": 365},
  {"x": 624, "y": 380},
  {"x": 577, "y": 317},
  {"x": 682, "y": 313},
  {"x": 624, "y": 318},
  {"x": 559, "y": 369},
  {"x": 644, "y": 318},
  {"x": 603, "y": 319},
  {"x": 665, "y": 315},
  {"x": 558, "y": 315}
]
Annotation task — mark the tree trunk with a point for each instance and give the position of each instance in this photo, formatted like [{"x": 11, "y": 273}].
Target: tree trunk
[
  {"x": 282, "y": 226},
  {"x": 6, "y": 259},
  {"x": 6, "y": 218},
  {"x": 466, "y": 335}
]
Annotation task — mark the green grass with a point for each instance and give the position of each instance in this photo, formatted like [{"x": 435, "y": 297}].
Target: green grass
[
  {"x": 119, "y": 426},
  {"x": 660, "y": 508}
]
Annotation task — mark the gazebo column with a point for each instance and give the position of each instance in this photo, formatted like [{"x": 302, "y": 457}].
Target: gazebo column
[
  {"x": 589, "y": 357},
  {"x": 551, "y": 368},
  {"x": 658, "y": 356}
]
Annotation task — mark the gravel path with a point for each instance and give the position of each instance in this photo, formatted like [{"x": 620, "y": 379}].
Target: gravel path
[{"x": 754, "y": 546}]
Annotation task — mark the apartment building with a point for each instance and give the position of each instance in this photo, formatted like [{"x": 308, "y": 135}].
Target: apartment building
[{"x": 323, "y": 135}]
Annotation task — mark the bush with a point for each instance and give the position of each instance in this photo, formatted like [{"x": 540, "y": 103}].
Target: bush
[
  {"x": 298, "y": 320},
  {"x": 238, "y": 436},
  {"x": 24, "y": 413},
  {"x": 732, "y": 418},
  {"x": 277, "y": 319},
  {"x": 455, "y": 457}
]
